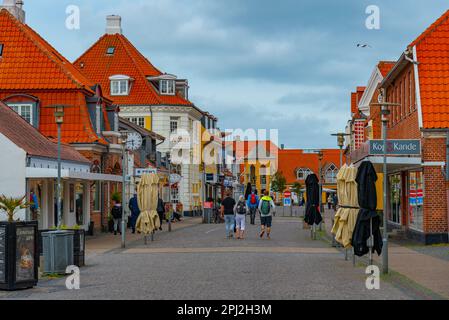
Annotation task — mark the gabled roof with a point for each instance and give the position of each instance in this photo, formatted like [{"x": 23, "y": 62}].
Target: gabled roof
[
  {"x": 142, "y": 131},
  {"x": 28, "y": 138},
  {"x": 244, "y": 148},
  {"x": 126, "y": 60},
  {"x": 293, "y": 159},
  {"x": 432, "y": 48},
  {"x": 42, "y": 66},
  {"x": 385, "y": 67}
]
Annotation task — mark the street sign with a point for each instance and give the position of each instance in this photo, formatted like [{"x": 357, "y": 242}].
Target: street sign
[
  {"x": 140, "y": 171},
  {"x": 287, "y": 194},
  {"x": 395, "y": 147},
  {"x": 287, "y": 202}
]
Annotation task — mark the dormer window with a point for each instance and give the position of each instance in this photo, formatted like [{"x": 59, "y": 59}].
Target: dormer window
[
  {"x": 120, "y": 85},
  {"x": 167, "y": 87},
  {"x": 1, "y": 49},
  {"x": 110, "y": 50}
]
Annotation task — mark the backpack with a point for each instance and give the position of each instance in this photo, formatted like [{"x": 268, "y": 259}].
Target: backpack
[
  {"x": 253, "y": 199},
  {"x": 116, "y": 212},
  {"x": 265, "y": 207},
  {"x": 241, "y": 208}
]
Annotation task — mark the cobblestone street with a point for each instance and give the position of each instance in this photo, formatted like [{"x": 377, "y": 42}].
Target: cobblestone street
[{"x": 197, "y": 262}]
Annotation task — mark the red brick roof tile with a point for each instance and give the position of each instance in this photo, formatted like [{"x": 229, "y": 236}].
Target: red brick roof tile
[
  {"x": 432, "y": 48},
  {"x": 28, "y": 138},
  {"x": 96, "y": 64}
]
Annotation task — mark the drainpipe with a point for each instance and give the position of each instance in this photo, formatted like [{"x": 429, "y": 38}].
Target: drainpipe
[{"x": 447, "y": 181}]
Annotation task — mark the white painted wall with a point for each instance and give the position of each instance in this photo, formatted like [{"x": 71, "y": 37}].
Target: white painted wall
[{"x": 12, "y": 172}]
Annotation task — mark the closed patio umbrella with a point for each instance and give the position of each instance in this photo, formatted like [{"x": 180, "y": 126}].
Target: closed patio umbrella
[
  {"x": 346, "y": 216},
  {"x": 312, "y": 215},
  {"x": 368, "y": 221},
  {"x": 147, "y": 195}
]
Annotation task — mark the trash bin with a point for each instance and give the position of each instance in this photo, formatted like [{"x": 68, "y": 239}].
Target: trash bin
[
  {"x": 58, "y": 251},
  {"x": 19, "y": 255}
]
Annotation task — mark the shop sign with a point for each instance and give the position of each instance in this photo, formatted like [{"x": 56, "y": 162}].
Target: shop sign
[
  {"x": 395, "y": 147},
  {"x": 287, "y": 202}
]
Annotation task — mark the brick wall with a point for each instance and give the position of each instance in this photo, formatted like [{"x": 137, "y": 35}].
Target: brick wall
[{"x": 435, "y": 200}]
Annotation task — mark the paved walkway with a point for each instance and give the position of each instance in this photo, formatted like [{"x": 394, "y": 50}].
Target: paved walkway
[
  {"x": 417, "y": 262},
  {"x": 197, "y": 262}
]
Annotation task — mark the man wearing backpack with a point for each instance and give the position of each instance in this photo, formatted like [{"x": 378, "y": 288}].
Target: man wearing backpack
[
  {"x": 252, "y": 203},
  {"x": 266, "y": 207},
  {"x": 240, "y": 211},
  {"x": 116, "y": 213}
]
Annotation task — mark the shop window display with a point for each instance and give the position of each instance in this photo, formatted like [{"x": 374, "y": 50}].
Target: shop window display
[{"x": 416, "y": 200}]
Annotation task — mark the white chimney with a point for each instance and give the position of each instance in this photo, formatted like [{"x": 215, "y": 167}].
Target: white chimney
[
  {"x": 15, "y": 7},
  {"x": 113, "y": 24}
]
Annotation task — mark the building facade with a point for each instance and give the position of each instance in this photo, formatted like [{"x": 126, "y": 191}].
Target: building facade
[{"x": 154, "y": 100}]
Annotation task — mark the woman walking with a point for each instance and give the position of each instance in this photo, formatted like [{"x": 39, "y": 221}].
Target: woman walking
[{"x": 240, "y": 211}]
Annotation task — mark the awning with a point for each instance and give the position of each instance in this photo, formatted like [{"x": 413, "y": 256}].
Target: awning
[
  {"x": 45, "y": 173},
  {"x": 394, "y": 163}
]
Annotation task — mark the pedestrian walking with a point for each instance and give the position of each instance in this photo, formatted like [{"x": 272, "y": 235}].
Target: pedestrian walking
[
  {"x": 135, "y": 212},
  {"x": 253, "y": 203},
  {"x": 227, "y": 212},
  {"x": 330, "y": 201},
  {"x": 266, "y": 207},
  {"x": 240, "y": 210},
  {"x": 116, "y": 213},
  {"x": 160, "y": 211}
]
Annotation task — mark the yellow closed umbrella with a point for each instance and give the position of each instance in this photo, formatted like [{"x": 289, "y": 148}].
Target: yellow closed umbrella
[
  {"x": 147, "y": 196},
  {"x": 346, "y": 216}
]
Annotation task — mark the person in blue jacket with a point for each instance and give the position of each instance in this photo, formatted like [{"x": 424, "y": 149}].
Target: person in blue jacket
[
  {"x": 253, "y": 203},
  {"x": 135, "y": 211}
]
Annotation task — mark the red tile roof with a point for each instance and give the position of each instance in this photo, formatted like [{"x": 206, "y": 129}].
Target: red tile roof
[
  {"x": 126, "y": 60},
  {"x": 29, "y": 65},
  {"x": 432, "y": 48},
  {"x": 291, "y": 160},
  {"x": 28, "y": 138},
  {"x": 385, "y": 67},
  {"x": 244, "y": 148},
  {"x": 44, "y": 66}
]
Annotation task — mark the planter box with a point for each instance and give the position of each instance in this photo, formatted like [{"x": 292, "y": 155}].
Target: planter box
[{"x": 19, "y": 255}]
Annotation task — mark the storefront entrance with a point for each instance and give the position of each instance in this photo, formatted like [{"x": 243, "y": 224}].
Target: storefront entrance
[{"x": 395, "y": 212}]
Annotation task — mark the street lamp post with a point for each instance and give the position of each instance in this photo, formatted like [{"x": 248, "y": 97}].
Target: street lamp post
[
  {"x": 385, "y": 113},
  {"x": 59, "y": 118},
  {"x": 124, "y": 138}
]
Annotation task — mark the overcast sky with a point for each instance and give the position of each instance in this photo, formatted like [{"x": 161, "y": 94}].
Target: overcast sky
[{"x": 285, "y": 64}]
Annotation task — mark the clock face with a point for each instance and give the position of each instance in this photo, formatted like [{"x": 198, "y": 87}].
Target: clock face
[{"x": 134, "y": 141}]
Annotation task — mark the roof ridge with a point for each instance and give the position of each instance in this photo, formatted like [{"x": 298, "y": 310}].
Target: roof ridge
[
  {"x": 31, "y": 35},
  {"x": 121, "y": 39},
  {"x": 430, "y": 29}
]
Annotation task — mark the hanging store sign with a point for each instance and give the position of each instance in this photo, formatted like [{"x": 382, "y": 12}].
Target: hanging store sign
[
  {"x": 395, "y": 147},
  {"x": 141, "y": 171}
]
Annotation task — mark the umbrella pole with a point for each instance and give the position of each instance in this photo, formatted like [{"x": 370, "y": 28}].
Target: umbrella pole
[
  {"x": 353, "y": 257},
  {"x": 145, "y": 239},
  {"x": 152, "y": 236},
  {"x": 371, "y": 242}
]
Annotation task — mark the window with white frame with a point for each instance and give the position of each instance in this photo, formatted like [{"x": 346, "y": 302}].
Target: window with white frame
[
  {"x": 140, "y": 121},
  {"x": 174, "y": 122},
  {"x": 174, "y": 196},
  {"x": 167, "y": 87},
  {"x": 331, "y": 174},
  {"x": 303, "y": 173},
  {"x": 119, "y": 87},
  {"x": 24, "y": 110}
]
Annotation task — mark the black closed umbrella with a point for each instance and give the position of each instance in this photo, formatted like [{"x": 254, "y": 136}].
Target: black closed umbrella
[
  {"x": 367, "y": 197},
  {"x": 248, "y": 191},
  {"x": 312, "y": 215}
]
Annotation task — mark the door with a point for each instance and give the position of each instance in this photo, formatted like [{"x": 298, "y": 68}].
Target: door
[{"x": 395, "y": 211}]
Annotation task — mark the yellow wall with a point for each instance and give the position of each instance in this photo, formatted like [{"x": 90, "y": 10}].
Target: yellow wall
[
  {"x": 257, "y": 165},
  {"x": 148, "y": 123}
]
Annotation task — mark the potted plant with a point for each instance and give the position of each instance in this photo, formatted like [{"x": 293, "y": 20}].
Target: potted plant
[{"x": 19, "y": 253}]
